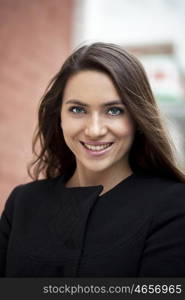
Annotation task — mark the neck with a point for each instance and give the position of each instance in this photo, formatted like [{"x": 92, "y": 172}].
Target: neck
[{"x": 108, "y": 178}]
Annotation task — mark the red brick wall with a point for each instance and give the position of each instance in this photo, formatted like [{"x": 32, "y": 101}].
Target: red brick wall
[{"x": 35, "y": 37}]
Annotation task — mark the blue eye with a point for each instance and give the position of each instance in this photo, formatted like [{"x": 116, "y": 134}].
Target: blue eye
[
  {"x": 77, "y": 110},
  {"x": 115, "y": 111}
]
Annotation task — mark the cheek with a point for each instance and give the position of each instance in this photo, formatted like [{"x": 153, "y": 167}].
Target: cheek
[
  {"x": 125, "y": 129},
  {"x": 70, "y": 128}
]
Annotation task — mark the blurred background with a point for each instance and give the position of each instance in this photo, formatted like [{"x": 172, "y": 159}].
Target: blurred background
[{"x": 36, "y": 36}]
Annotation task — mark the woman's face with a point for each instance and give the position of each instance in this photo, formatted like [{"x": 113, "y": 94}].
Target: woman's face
[{"x": 96, "y": 124}]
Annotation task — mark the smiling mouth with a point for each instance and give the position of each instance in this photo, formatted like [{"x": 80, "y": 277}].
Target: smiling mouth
[{"x": 96, "y": 147}]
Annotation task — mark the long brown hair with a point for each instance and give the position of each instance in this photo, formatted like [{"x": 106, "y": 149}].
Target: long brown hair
[{"x": 151, "y": 151}]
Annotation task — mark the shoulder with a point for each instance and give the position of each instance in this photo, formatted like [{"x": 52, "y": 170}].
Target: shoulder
[
  {"x": 31, "y": 194},
  {"x": 162, "y": 200},
  {"x": 160, "y": 185},
  {"x": 159, "y": 194},
  {"x": 38, "y": 184},
  {"x": 167, "y": 201},
  {"x": 34, "y": 187},
  {"x": 172, "y": 198},
  {"x": 168, "y": 190}
]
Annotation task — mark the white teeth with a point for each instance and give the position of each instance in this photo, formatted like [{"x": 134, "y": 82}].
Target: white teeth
[{"x": 96, "y": 148}]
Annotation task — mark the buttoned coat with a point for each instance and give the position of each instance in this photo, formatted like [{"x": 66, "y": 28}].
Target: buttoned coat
[{"x": 135, "y": 229}]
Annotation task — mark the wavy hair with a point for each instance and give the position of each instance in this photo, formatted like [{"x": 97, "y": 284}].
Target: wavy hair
[{"x": 151, "y": 151}]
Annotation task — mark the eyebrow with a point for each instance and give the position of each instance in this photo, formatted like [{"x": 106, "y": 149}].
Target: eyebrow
[{"x": 77, "y": 102}]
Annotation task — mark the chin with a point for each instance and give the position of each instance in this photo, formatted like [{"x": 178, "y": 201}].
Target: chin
[{"x": 96, "y": 167}]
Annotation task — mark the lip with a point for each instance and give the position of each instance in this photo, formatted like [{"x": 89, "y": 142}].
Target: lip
[
  {"x": 97, "y": 153},
  {"x": 96, "y": 143}
]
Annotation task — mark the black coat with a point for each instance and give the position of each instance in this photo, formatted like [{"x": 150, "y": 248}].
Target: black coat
[{"x": 135, "y": 229}]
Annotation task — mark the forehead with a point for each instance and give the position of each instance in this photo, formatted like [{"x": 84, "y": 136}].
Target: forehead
[{"x": 90, "y": 85}]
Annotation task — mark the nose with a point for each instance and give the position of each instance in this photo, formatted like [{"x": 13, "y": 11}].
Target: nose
[{"x": 95, "y": 127}]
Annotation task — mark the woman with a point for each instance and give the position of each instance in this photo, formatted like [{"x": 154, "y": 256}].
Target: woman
[{"x": 112, "y": 201}]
